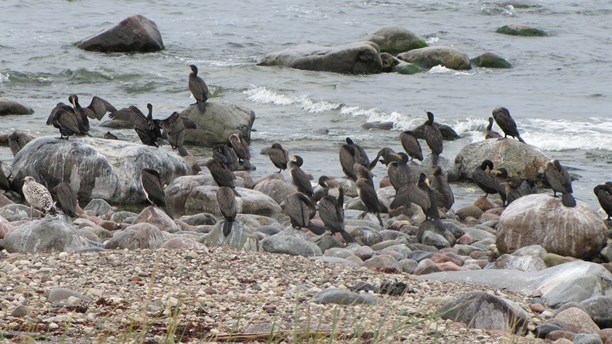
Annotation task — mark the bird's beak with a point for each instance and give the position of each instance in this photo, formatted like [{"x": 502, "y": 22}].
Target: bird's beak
[{"x": 427, "y": 181}]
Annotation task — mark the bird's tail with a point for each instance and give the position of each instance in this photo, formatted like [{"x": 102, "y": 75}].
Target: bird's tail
[
  {"x": 347, "y": 237},
  {"x": 439, "y": 225},
  {"x": 520, "y": 138},
  {"x": 227, "y": 227},
  {"x": 401, "y": 199},
  {"x": 434, "y": 159},
  {"x": 568, "y": 200},
  {"x": 380, "y": 220},
  {"x": 182, "y": 150},
  {"x": 316, "y": 229},
  {"x": 165, "y": 209},
  {"x": 247, "y": 164},
  {"x": 236, "y": 193}
]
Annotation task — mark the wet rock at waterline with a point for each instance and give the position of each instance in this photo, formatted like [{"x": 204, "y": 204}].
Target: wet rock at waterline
[
  {"x": 490, "y": 60},
  {"x": 96, "y": 168},
  {"x": 133, "y": 34},
  {"x": 395, "y": 39},
  {"x": 12, "y": 107},
  {"x": 216, "y": 121},
  {"x": 521, "y": 30},
  {"x": 439, "y": 55}
]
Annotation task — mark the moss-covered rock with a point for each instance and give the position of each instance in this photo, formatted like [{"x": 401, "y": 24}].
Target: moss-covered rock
[
  {"x": 521, "y": 30},
  {"x": 432, "y": 56},
  {"x": 490, "y": 60},
  {"x": 396, "y": 39}
]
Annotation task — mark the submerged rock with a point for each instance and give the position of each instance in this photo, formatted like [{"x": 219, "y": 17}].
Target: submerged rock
[
  {"x": 490, "y": 60},
  {"x": 440, "y": 55},
  {"x": 521, "y": 30},
  {"x": 216, "y": 121},
  {"x": 11, "y": 107},
  {"x": 395, "y": 39},
  {"x": 133, "y": 34}
]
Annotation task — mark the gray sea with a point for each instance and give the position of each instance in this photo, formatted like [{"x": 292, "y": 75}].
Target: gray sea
[{"x": 559, "y": 91}]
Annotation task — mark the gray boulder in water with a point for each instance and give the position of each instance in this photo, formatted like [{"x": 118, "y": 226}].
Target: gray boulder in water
[
  {"x": 352, "y": 58},
  {"x": 432, "y": 56},
  {"x": 133, "y": 34},
  {"x": 95, "y": 168},
  {"x": 540, "y": 219},
  {"x": 396, "y": 39},
  {"x": 216, "y": 121},
  {"x": 46, "y": 235},
  {"x": 11, "y": 107}
]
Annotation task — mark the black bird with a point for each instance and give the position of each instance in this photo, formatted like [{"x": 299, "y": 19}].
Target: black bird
[
  {"x": 499, "y": 178},
  {"x": 399, "y": 173},
  {"x": 483, "y": 178},
  {"x": 17, "y": 140},
  {"x": 279, "y": 156},
  {"x": 387, "y": 156},
  {"x": 67, "y": 121},
  {"x": 361, "y": 156},
  {"x": 351, "y": 154},
  {"x": 489, "y": 133},
  {"x": 440, "y": 184},
  {"x": 411, "y": 145},
  {"x": 330, "y": 186},
  {"x": 369, "y": 198},
  {"x": 221, "y": 174},
  {"x": 65, "y": 198},
  {"x": 197, "y": 86},
  {"x": 301, "y": 210},
  {"x": 153, "y": 188},
  {"x": 363, "y": 172},
  {"x": 560, "y": 181},
  {"x": 227, "y": 205},
  {"x": 110, "y": 136},
  {"x": 433, "y": 137},
  {"x": 146, "y": 127},
  {"x": 174, "y": 126},
  {"x": 513, "y": 189},
  {"x": 95, "y": 110},
  {"x": 241, "y": 148},
  {"x": 420, "y": 194},
  {"x": 298, "y": 176},
  {"x": 331, "y": 212},
  {"x": 226, "y": 155},
  {"x": 604, "y": 196},
  {"x": 5, "y": 184},
  {"x": 506, "y": 123}
]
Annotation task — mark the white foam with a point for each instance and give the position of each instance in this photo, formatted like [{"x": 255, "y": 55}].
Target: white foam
[
  {"x": 264, "y": 95},
  {"x": 432, "y": 40},
  {"x": 4, "y": 77}
]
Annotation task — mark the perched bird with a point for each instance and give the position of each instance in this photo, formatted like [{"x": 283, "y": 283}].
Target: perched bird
[
  {"x": 153, "y": 188},
  {"x": 37, "y": 196},
  {"x": 499, "y": 178},
  {"x": 433, "y": 137},
  {"x": 299, "y": 177},
  {"x": 241, "y": 148},
  {"x": 110, "y": 136},
  {"x": 146, "y": 127},
  {"x": 329, "y": 186},
  {"x": 65, "y": 199},
  {"x": 411, "y": 145},
  {"x": 226, "y": 155},
  {"x": 221, "y": 174},
  {"x": 279, "y": 156},
  {"x": 351, "y": 154},
  {"x": 197, "y": 86},
  {"x": 560, "y": 181},
  {"x": 67, "y": 121},
  {"x": 174, "y": 126},
  {"x": 489, "y": 133},
  {"x": 5, "y": 183},
  {"x": 399, "y": 173},
  {"x": 604, "y": 196},
  {"x": 440, "y": 184},
  {"x": 363, "y": 172},
  {"x": 513, "y": 189},
  {"x": 95, "y": 110},
  {"x": 420, "y": 194},
  {"x": 301, "y": 210},
  {"x": 369, "y": 198},
  {"x": 17, "y": 140},
  {"x": 387, "y": 156},
  {"x": 483, "y": 178},
  {"x": 227, "y": 205},
  {"x": 331, "y": 212},
  {"x": 506, "y": 123}
]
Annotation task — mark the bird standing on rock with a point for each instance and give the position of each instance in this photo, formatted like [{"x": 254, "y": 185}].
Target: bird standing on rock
[
  {"x": 440, "y": 184},
  {"x": 174, "y": 126},
  {"x": 226, "y": 199},
  {"x": 197, "y": 86},
  {"x": 559, "y": 180},
  {"x": 146, "y": 127},
  {"x": 301, "y": 210},
  {"x": 279, "y": 156},
  {"x": 433, "y": 137},
  {"x": 68, "y": 122},
  {"x": 331, "y": 212},
  {"x": 489, "y": 133},
  {"x": 65, "y": 198},
  {"x": 95, "y": 110},
  {"x": 411, "y": 145},
  {"x": 299, "y": 177},
  {"x": 153, "y": 188},
  {"x": 604, "y": 196},
  {"x": 37, "y": 196},
  {"x": 369, "y": 198},
  {"x": 506, "y": 123},
  {"x": 241, "y": 148},
  {"x": 483, "y": 178},
  {"x": 221, "y": 174}
]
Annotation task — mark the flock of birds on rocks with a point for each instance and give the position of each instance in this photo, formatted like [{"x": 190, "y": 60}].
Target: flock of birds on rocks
[{"x": 302, "y": 206}]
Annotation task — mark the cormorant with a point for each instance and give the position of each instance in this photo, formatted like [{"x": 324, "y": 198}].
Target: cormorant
[
  {"x": 146, "y": 127},
  {"x": 369, "y": 198},
  {"x": 411, "y": 145},
  {"x": 17, "y": 140},
  {"x": 298, "y": 176},
  {"x": 5, "y": 184},
  {"x": 483, "y": 178},
  {"x": 67, "y": 121},
  {"x": 420, "y": 194},
  {"x": 387, "y": 156},
  {"x": 350, "y": 154},
  {"x": 301, "y": 210},
  {"x": 279, "y": 156},
  {"x": 440, "y": 184},
  {"x": 489, "y": 133},
  {"x": 197, "y": 86},
  {"x": 37, "y": 196},
  {"x": 331, "y": 212},
  {"x": 227, "y": 205},
  {"x": 363, "y": 172},
  {"x": 65, "y": 199},
  {"x": 399, "y": 173},
  {"x": 226, "y": 155},
  {"x": 604, "y": 196},
  {"x": 110, "y": 136},
  {"x": 95, "y": 110},
  {"x": 499, "y": 178},
  {"x": 153, "y": 188},
  {"x": 330, "y": 187},
  {"x": 513, "y": 189},
  {"x": 221, "y": 174},
  {"x": 433, "y": 137},
  {"x": 174, "y": 126},
  {"x": 560, "y": 181},
  {"x": 241, "y": 148},
  {"x": 506, "y": 123}
]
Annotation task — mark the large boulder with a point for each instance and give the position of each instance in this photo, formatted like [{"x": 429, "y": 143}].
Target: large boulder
[
  {"x": 519, "y": 159},
  {"x": 540, "y": 219},
  {"x": 46, "y": 235},
  {"x": 241, "y": 237},
  {"x": 11, "y": 107},
  {"x": 354, "y": 58},
  {"x": 139, "y": 236},
  {"x": 216, "y": 122},
  {"x": 133, "y": 34},
  {"x": 277, "y": 189},
  {"x": 441, "y": 55},
  {"x": 490, "y": 60},
  {"x": 95, "y": 168},
  {"x": 291, "y": 245},
  {"x": 395, "y": 39}
]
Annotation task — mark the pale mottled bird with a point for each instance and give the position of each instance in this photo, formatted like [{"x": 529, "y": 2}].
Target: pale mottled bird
[{"x": 37, "y": 196}]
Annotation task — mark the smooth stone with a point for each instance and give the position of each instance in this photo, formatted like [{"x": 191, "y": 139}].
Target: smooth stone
[
  {"x": 133, "y": 34},
  {"x": 521, "y": 30},
  {"x": 21, "y": 311},
  {"x": 587, "y": 338},
  {"x": 490, "y": 60},
  {"x": 122, "y": 216},
  {"x": 561, "y": 337},
  {"x": 18, "y": 212},
  {"x": 470, "y": 210},
  {"x": 183, "y": 243},
  {"x": 531, "y": 250},
  {"x": 365, "y": 235},
  {"x": 157, "y": 217},
  {"x": 242, "y": 237},
  {"x": 344, "y": 297},
  {"x": 5, "y": 227},
  {"x": 46, "y": 235},
  {"x": 579, "y": 318},
  {"x": 543, "y": 220},
  {"x": 439, "y": 55},
  {"x": 290, "y": 245},
  {"x": 552, "y": 259},
  {"x": 479, "y": 234},
  {"x": 384, "y": 262},
  {"x": 216, "y": 121},
  {"x": 408, "y": 265},
  {"x": 12, "y": 107},
  {"x": 426, "y": 266},
  {"x": 485, "y": 311},
  {"x": 277, "y": 189},
  {"x": 199, "y": 219},
  {"x": 544, "y": 329},
  {"x": 599, "y": 309},
  {"x": 364, "y": 252},
  {"x": 340, "y": 252},
  {"x": 336, "y": 260},
  {"x": 429, "y": 234},
  {"x": 98, "y": 207},
  {"x": 401, "y": 250},
  {"x": 522, "y": 263},
  {"x": 395, "y": 39},
  {"x": 352, "y": 58},
  {"x": 138, "y": 236},
  {"x": 61, "y": 294}
]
